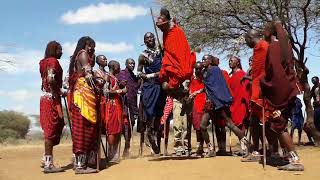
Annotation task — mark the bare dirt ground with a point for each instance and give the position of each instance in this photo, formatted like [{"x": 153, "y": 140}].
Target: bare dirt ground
[{"x": 21, "y": 162}]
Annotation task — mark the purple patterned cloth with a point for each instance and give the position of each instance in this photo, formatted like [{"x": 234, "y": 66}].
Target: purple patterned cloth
[{"x": 132, "y": 86}]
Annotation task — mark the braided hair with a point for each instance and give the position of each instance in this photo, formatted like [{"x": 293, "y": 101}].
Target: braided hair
[
  {"x": 80, "y": 45},
  {"x": 51, "y": 49}
]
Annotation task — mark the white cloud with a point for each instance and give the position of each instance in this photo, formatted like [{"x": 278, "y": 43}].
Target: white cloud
[
  {"x": 5, "y": 47},
  {"x": 102, "y": 12},
  {"x": 21, "y": 95},
  {"x": 24, "y": 107},
  {"x": 18, "y": 108},
  {"x": 2, "y": 48},
  {"x": 22, "y": 100},
  {"x": 22, "y": 60},
  {"x": 68, "y": 48},
  {"x": 27, "y": 60},
  {"x": 114, "y": 48},
  {"x": 101, "y": 47}
]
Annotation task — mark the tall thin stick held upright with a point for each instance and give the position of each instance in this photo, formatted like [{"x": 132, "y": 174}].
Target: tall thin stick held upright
[
  {"x": 264, "y": 137},
  {"x": 213, "y": 131},
  {"x": 155, "y": 30},
  {"x": 68, "y": 116}
]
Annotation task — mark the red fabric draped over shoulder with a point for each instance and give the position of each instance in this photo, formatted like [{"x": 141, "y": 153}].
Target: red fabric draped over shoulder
[
  {"x": 113, "y": 110},
  {"x": 45, "y": 65},
  {"x": 258, "y": 70},
  {"x": 226, "y": 76},
  {"x": 240, "y": 97},
  {"x": 200, "y": 99},
  {"x": 178, "y": 61},
  {"x": 198, "y": 102},
  {"x": 51, "y": 118}
]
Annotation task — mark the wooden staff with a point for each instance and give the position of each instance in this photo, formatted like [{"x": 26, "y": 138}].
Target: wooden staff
[
  {"x": 68, "y": 116},
  {"x": 263, "y": 136},
  {"x": 98, "y": 123},
  {"x": 99, "y": 131},
  {"x": 155, "y": 30},
  {"x": 230, "y": 141},
  {"x": 213, "y": 131}
]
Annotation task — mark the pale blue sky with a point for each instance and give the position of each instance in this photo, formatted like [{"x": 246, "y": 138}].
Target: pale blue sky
[{"x": 27, "y": 26}]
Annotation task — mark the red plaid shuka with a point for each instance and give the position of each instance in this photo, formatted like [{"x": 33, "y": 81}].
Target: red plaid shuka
[
  {"x": 84, "y": 133},
  {"x": 50, "y": 121},
  {"x": 114, "y": 112},
  {"x": 167, "y": 110},
  {"x": 51, "y": 116}
]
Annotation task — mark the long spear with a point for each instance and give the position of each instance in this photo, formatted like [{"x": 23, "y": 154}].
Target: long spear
[
  {"x": 155, "y": 30},
  {"x": 141, "y": 119},
  {"x": 99, "y": 132},
  {"x": 230, "y": 142},
  {"x": 264, "y": 137},
  {"x": 67, "y": 110},
  {"x": 99, "y": 142},
  {"x": 160, "y": 48},
  {"x": 130, "y": 123},
  {"x": 213, "y": 131},
  {"x": 98, "y": 123}
]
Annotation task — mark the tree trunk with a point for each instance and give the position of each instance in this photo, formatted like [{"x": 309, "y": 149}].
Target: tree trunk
[{"x": 309, "y": 108}]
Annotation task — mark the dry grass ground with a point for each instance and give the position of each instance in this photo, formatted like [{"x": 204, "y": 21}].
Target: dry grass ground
[{"x": 21, "y": 162}]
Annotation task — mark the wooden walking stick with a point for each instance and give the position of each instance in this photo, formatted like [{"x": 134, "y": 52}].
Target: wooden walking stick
[
  {"x": 263, "y": 136},
  {"x": 98, "y": 124},
  {"x": 155, "y": 30},
  {"x": 130, "y": 124},
  {"x": 141, "y": 119},
  {"x": 103, "y": 148},
  {"x": 213, "y": 131},
  {"x": 99, "y": 132},
  {"x": 230, "y": 141},
  {"x": 189, "y": 119},
  {"x": 68, "y": 116},
  {"x": 125, "y": 101}
]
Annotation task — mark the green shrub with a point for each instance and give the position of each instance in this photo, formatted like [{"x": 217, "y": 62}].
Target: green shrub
[
  {"x": 13, "y": 125},
  {"x": 6, "y": 134}
]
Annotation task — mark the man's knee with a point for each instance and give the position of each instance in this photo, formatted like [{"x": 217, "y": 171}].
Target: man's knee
[
  {"x": 230, "y": 125},
  {"x": 203, "y": 126}
]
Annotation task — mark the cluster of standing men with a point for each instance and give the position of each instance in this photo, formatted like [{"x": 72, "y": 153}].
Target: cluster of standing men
[{"x": 170, "y": 80}]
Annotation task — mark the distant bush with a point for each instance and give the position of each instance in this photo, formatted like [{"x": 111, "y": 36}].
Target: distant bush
[{"x": 13, "y": 125}]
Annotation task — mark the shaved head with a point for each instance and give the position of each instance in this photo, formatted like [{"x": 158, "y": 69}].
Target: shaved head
[
  {"x": 198, "y": 68},
  {"x": 206, "y": 60},
  {"x": 148, "y": 34},
  {"x": 149, "y": 40},
  {"x": 163, "y": 20},
  {"x": 114, "y": 66},
  {"x": 235, "y": 62},
  {"x": 129, "y": 60},
  {"x": 215, "y": 61},
  {"x": 315, "y": 80},
  {"x": 253, "y": 33},
  {"x": 101, "y": 60},
  {"x": 252, "y": 37},
  {"x": 198, "y": 64},
  {"x": 130, "y": 64}
]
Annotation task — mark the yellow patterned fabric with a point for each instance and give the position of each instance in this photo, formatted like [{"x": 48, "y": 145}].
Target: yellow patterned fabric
[{"x": 84, "y": 98}]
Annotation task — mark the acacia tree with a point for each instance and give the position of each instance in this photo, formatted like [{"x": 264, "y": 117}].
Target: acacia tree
[
  {"x": 4, "y": 64},
  {"x": 217, "y": 24},
  {"x": 13, "y": 125}
]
